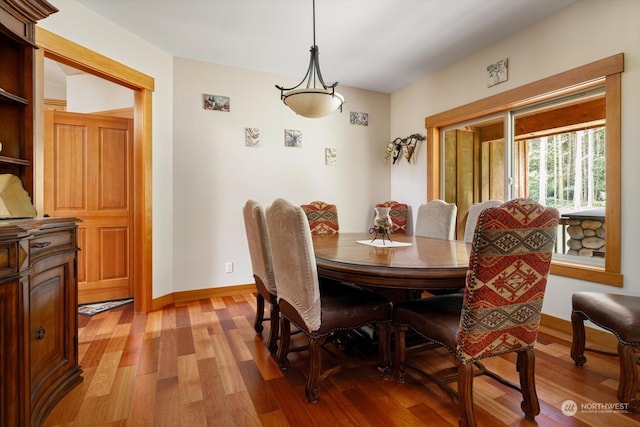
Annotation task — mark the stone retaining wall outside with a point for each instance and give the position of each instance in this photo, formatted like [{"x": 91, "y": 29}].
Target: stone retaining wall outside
[{"x": 585, "y": 234}]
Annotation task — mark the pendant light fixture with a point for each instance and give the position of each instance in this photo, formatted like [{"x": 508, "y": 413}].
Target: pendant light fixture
[{"x": 312, "y": 101}]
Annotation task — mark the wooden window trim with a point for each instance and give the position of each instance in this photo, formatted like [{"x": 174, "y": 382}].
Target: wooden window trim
[{"x": 605, "y": 72}]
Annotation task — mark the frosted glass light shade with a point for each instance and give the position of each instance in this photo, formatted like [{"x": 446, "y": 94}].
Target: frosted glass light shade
[{"x": 313, "y": 102}]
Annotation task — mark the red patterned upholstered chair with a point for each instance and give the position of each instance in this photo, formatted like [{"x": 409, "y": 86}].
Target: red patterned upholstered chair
[
  {"x": 255, "y": 224},
  {"x": 320, "y": 312},
  {"x": 322, "y": 217},
  {"x": 499, "y": 311},
  {"x": 399, "y": 214}
]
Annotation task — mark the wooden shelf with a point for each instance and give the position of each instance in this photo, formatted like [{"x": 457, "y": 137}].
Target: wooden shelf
[
  {"x": 14, "y": 161},
  {"x": 8, "y": 97}
]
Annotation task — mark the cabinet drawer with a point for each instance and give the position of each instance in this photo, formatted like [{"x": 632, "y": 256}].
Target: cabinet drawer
[{"x": 44, "y": 244}]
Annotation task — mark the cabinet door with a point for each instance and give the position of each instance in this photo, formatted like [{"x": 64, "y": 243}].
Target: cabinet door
[
  {"x": 52, "y": 328},
  {"x": 9, "y": 355}
]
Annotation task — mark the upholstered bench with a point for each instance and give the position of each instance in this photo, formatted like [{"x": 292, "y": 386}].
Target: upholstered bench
[{"x": 619, "y": 314}]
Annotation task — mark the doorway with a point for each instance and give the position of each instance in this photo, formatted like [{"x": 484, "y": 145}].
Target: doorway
[
  {"x": 69, "y": 53},
  {"x": 87, "y": 175}
]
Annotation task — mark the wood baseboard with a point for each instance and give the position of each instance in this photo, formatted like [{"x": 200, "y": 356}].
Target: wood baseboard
[
  {"x": 596, "y": 338},
  {"x": 198, "y": 294}
]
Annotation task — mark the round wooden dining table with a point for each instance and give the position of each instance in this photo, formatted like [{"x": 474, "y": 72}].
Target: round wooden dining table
[{"x": 424, "y": 264}]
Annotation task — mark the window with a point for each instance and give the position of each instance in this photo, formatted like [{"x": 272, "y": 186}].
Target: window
[{"x": 551, "y": 140}]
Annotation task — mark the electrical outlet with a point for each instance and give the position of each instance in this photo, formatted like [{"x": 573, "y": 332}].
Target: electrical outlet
[{"x": 228, "y": 267}]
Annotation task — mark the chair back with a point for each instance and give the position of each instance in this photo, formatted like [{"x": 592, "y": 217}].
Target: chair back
[
  {"x": 472, "y": 217},
  {"x": 399, "y": 213},
  {"x": 322, "y": 217},
  {"x": 436, "y": 219},
  {"x": 255, "y": 225},
  {"x": 294, "y": 262},
  {"x": 506, "y": 279}
]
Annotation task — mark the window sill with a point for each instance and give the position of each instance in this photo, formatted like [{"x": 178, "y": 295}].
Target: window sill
[{"x": 587, "y": 273}]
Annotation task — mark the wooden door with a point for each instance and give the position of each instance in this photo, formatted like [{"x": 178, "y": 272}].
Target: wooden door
[{"x": 88, "y": 175}]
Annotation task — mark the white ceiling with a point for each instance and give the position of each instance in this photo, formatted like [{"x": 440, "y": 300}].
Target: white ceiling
[{"x": 379, "y": 45}]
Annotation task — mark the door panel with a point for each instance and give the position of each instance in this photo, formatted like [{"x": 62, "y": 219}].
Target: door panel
[
  {"x": 113, "y": 162},
  {"x": 114, "y": 244},
  {"x": 87, "y": 169},
  {"x": 69, "y": 166}
]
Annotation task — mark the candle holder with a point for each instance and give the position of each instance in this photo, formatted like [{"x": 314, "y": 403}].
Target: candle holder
[{"x": 381, "y": 224}]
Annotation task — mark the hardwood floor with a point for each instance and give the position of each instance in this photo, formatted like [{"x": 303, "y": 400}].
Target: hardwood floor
[{"x": 201, "y": 364}]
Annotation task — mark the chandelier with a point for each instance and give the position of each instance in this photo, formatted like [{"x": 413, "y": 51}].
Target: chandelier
[{"x": 312, "y": 101}]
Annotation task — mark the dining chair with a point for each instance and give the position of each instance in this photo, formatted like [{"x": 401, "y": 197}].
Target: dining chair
[
  {"x": 472, "y": 217},
  {"x": 255, "y": 224},
  {"x": 320, "y": 312},
  {"x": 436, "y": 219},
  {"x": 322, "y": 217},
  {"x": 499, "y": 311},
  {"x": 620, "y": 315},
  {"x": 399, "y": 213}
]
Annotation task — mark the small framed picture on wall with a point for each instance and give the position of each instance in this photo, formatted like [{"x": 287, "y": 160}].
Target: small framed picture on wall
[
  {"x": 292, "y": 138},
  {"x": 216, "y": 102}
]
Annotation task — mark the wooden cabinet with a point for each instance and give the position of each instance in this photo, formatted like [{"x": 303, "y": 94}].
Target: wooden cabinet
[
  {"x": 53, "y": 315},
  {"x": 38, "y": 318},
  {"x": 38, "y": 257},
  {"x": 17, "y": 32}
]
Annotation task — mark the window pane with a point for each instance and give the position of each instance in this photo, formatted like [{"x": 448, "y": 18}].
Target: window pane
[
  {"x": 564, "y": 142},
  {"x": 473, "y": 165}
]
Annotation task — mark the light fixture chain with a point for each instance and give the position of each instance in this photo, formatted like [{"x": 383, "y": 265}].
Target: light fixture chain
[{"x": 314, "y": 22}]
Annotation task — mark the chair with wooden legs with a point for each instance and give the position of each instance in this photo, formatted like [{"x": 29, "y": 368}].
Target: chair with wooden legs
[
  {"x": 322, "y": 217},
  {"x": 436, "y": 219},
  {"x": 620, "y": 315},
  {"x": 473, "y": 214},
  {"x": 320, "y": 312},
  {"x": 260, "y": 252},
  {"x": 399, "y": 214},
  {"x": 499, "y": 311}
]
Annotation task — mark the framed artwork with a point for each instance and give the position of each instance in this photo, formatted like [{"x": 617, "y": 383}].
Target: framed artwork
[
  {"x": 252, "y": 137},
  {"x": 292, "y": 138},
  {"x": 216, "y": 102},
  {"x": 498, "y": 72},
  {"x": 361, "y": 119},
  {"x": 330, "y": 156}
]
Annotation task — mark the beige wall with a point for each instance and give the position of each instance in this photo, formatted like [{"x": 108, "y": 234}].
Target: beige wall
[
  {"x": 84, "y": 27},
  {"x": 582, "y": 33},
  {"x": 215, "y": 173},
  {"x": 202, "y": 171}
]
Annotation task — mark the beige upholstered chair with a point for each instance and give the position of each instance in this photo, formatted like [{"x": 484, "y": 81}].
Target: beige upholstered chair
[
  {"x": 436, "y": 219},
  {"x": 472, "y": 217},
  {"x": 499, "y": 311},
  {"x": 255, "y": 224},
  {"x": 318, "y": 311},
  {"x": 322, "y": 217}
]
